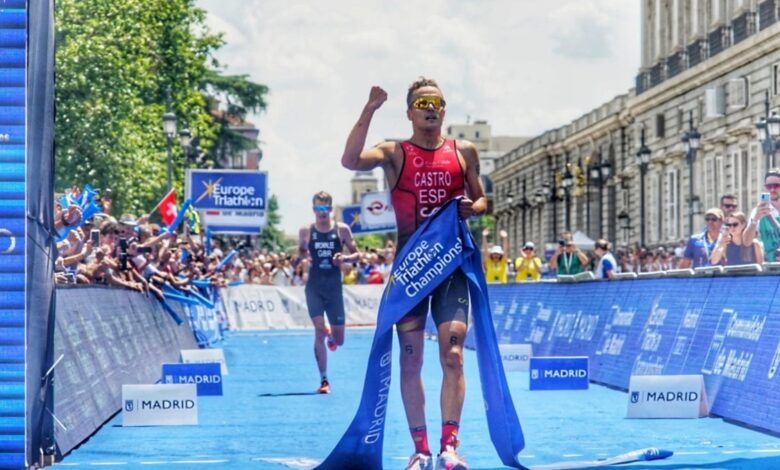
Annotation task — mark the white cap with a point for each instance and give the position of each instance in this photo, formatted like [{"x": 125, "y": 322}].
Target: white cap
[
  {"x": 529, "y": 245},
  {"x": 497, "y": 250}
]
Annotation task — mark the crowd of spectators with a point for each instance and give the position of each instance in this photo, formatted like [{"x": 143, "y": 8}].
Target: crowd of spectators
[
  {"x": 264, "y": 267},
  {"x": 131, "y": 252},
  {"x": 722, "y": 241}
]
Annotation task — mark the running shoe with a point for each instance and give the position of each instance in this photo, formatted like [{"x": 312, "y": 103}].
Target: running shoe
[
  {"x": 420, "y": 461},
  {"x": 324, "y": 387},
  {"x": 450, "y": 460},
  {"x": 329, "y": 341}
]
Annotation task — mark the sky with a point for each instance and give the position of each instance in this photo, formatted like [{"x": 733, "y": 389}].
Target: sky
[{"x": 525, "y": 66}]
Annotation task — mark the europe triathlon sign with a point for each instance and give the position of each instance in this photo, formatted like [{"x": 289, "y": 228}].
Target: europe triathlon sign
[{"x": 229, "y": 201}]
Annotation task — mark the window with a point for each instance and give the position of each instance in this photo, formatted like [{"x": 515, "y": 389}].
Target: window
[
  {"x": 660, "y": 126},
  {"x": 775, "y": 79},
  {"x": 672, "y": 212},
  {"x": 714, "y": 182},
  {"x": 476, "y": 134},
  {"x": 737, "y": 93}
]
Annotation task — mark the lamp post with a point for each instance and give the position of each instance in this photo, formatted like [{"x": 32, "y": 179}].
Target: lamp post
[
  {"x": 690, "y": 141},
  {"x": 599, "y": 173},
  {"x": 510, "y": 198},
  {"x": 768, "y": 134},
  {"x": 643, "y": 159},
  {"x": 567, "y": 181},
  {"x": 539, "y": 203},
  {"x": 169, "y": 127}
]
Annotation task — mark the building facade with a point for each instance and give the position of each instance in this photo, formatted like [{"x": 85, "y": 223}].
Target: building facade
[{"x": 712, "y": 66}]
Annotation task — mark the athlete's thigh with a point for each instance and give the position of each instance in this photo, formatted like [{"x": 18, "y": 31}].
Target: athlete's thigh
[
  {"x": 315, "y": 302},
  {"x": 334, "y": 305},
  {"x": 450, "y": 300}
]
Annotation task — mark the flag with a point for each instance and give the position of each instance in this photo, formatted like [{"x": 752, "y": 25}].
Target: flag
[
  {"x": 193, "y": 220},
  {"x": 167, "y": 207},
  {"x": 180, "y": 215}
]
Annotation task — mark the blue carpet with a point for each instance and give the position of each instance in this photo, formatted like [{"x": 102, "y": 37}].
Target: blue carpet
[{"x": 244, "y": 430}]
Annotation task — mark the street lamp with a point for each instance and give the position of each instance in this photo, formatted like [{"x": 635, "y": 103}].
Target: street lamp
[
  {"x": 768, "y": 133},
  {"x": 169, "y": 127},
  {"x": 567, "y": 182},
  {"x": 599, "y": 174},
  {"x": 643, "y": 159},
  {"x": 691, "y": 142}
]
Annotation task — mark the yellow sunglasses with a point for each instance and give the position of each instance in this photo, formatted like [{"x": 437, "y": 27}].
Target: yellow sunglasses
[{"x": 424, "y": 101}]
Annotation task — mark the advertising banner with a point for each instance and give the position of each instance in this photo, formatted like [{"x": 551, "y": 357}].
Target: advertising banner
[
  {"x": 229, "y": 201},
  {"x": 559, "y": 373},
  {"x": 666, "y": 396},
  {"x": 516, "y": 357},
  {"x": 206, "y": 376},
  {"x": 350, "y": 215},
  {"x": 376, "y": 210},
  {"x": 726, "y": 328},
  {"x": 257, "y": 307},
  {"x": 203, "y": 356},
  {"x": 159, "y": 405}
]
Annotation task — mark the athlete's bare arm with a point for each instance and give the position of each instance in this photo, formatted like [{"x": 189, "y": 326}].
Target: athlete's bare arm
[
  {"x": 345, "y": 234},
  {"x": 355, "y": 157},
  {"x": 476, "y": 202},
  {"x": 303, "y": 242}
]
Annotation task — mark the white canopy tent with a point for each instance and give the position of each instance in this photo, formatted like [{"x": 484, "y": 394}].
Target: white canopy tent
[{"x": 583, "y": 241}]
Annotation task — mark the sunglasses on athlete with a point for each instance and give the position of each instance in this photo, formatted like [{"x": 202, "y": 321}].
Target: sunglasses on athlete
[
  {"x": 424, "y": 101},
  {"x": 321, "y": 208}
]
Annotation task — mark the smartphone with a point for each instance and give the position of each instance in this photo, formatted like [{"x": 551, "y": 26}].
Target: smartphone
[
  {"x": 764, "y": 197},
  {"x": 562, "y": 242},
  {"x": 94, "y": 235},
  {"x": 144, "y": 249}
]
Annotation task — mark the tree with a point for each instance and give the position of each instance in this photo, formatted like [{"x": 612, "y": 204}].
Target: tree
[
  {"x": 115, "y": 61},
  {"x": 240, "y": 97},
  {"x": 272, "y": 236},
  {"x": 477, "y": 225}
]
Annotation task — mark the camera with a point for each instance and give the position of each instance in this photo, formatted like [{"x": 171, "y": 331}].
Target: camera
[
  {"x": 144, "y": 249},
  {"x": 562, "y": 242},
  {"x": 764, "y": 197}
]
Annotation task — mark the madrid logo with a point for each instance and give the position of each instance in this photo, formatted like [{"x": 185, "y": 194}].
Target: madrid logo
[
  {"x": 634, "y": 397},
  {"x": 129, "y": 405},
  {"x": 535, "y": 374}
]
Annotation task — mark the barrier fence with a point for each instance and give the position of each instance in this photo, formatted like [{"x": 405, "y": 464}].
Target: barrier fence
[
  {"x": 726, "y": 328},
  {"x": 107, "y": 337}
]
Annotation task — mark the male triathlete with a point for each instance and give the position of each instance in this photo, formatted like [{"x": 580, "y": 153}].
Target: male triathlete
[
  {"x": 424, "y": 173},
  {"x": 323, "y": 242}
]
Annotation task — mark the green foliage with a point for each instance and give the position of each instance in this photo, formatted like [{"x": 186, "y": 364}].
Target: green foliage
[
  {"x": 370, "y": 240},
  {"x": 240, "y": 97},
  {"x": 477, "y": 225},
  {"x": 116, "y": 61},
  {"x": 273, "y": 237}
]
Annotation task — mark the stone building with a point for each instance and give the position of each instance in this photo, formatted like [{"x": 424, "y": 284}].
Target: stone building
[{"x": 710, "y": 67}]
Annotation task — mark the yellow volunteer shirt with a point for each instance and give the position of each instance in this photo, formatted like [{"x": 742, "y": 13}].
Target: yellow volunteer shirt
[
  {"x": 528, "y": 268},
  {"x": 495, "y": 271}
]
